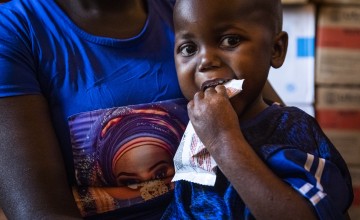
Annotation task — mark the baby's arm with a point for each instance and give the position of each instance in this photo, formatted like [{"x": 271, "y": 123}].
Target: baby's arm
[{"x": 266, "y": 195}]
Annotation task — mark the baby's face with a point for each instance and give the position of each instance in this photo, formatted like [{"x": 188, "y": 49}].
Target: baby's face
[{"x": 222, "y": 39}]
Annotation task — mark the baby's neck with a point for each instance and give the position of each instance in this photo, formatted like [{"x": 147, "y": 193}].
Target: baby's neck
[{"x": 258, "y": 106}]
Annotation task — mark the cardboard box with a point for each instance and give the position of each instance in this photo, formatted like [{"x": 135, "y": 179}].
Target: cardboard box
[
  {"x": 337, "y": 110},
  {"x": 338, "y": 119},
  {"x": 338, "y": 97},
  {"x": 338, "y": 107},
  {"x": 2, "y": 215},
  {"x": 347, "y": 143},
  {"x": 294, "y": 1},
  {"x": 338, "y": 1},
  {"x": 338, "y": 45},
  {"x": 294, "y": 81}
]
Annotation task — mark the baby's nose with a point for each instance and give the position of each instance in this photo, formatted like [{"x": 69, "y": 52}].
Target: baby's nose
[{"x": 208, "y": 60}]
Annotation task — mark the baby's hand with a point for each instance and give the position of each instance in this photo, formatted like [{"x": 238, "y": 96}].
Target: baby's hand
[{"x": 213, "y": 116}]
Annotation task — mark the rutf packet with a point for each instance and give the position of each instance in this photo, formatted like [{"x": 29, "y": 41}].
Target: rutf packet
[{"x": 192, "y": 160}]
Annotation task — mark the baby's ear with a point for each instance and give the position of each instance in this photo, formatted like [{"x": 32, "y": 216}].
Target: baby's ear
[{"x": 279, "y": 49}]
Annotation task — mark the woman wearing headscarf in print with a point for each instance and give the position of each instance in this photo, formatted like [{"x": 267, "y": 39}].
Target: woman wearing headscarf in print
[{"x": 135, "y": 150}]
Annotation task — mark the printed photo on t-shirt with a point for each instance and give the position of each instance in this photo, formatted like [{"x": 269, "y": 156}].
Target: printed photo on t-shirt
[{"x": 124, "y": 155}]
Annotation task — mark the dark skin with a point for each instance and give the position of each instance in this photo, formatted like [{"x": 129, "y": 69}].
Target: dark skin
[
  {"x": 238, "y": 39},
  {"x": 108, "y": 18},
  {"x": 35, "y": 186}
]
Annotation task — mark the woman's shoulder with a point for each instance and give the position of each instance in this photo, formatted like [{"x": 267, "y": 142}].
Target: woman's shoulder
[
  {"x": 17, "y": 8},
  {"x": 14, "y": 22},
  {"x": 22, "y": 14}
]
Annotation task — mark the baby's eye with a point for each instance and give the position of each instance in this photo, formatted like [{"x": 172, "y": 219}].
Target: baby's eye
[
  {"x": 230, "y": 41},
  {"x": 187, "y": 50}
]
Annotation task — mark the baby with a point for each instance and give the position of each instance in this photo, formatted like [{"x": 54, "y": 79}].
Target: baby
[{"x": 274, "y": 162}]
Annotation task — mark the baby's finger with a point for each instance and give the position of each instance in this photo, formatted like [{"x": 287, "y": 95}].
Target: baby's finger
[
  {"x": 210, "y": 90},
  {"x": 221, "y": 90},
  {"x": 190, "y": 105},
  {"x": 198, "y": 96}
]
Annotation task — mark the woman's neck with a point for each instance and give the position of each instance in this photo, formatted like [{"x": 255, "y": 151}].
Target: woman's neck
[{"x": 108, "y": 18}]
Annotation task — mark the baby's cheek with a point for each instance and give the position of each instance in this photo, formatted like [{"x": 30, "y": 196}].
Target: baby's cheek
[{"x": 188, "y": 92}]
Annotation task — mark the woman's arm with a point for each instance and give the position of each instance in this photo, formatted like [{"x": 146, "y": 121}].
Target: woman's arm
[
  {"x": 270, "y": 94},
  {"x": 33, "y": 182}
]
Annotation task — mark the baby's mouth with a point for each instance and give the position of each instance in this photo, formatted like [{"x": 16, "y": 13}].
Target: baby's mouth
[{"x": 213, "y": 83}]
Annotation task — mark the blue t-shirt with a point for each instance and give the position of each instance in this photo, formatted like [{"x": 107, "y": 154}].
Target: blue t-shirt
[
  {"x": 43, "y": 52},
  {"x": 294, "y": 147}
]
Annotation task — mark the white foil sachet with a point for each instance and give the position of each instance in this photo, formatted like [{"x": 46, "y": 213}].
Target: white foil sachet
[{"x": 192, "y": 160}]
